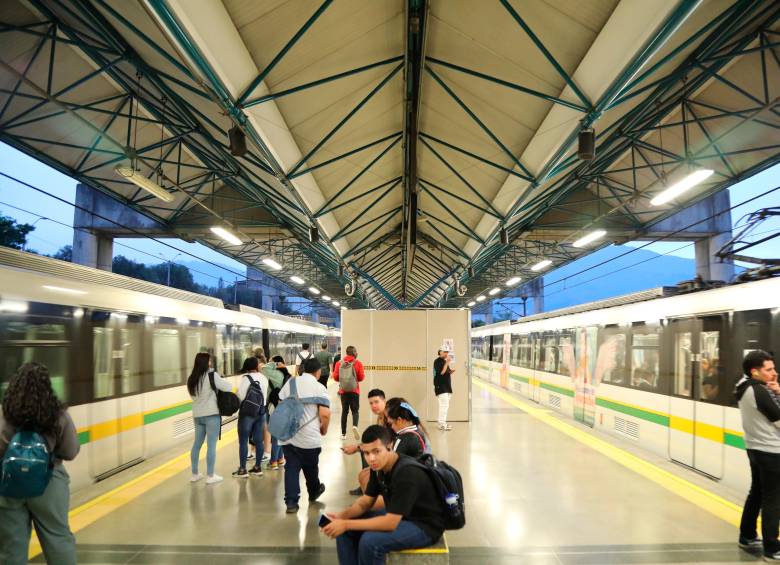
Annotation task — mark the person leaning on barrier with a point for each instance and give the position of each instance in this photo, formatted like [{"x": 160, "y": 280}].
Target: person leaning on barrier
[
  {"x": 760, "y": 413},
  {"x": 31, "y": 404},
  {"x": 376, "y": 401},
  {"x": 412, "y": 516}
]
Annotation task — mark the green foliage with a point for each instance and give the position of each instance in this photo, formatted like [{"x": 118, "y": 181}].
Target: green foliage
[
  {"x": 65, "y": 253},
  {"x": 12, "y": 233}
]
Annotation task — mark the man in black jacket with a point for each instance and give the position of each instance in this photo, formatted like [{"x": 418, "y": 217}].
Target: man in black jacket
[
  {"x": 757, "y": 393},
  {"x": 413, "y": 515}
]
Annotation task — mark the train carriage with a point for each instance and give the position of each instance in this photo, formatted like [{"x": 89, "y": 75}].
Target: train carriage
[{"x": 654, "y": 367}]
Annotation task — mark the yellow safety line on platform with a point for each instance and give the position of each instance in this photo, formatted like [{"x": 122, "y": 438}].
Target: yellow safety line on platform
[
  {"x": 712, "y": 503},
  {"x": 100, "y": 506}
]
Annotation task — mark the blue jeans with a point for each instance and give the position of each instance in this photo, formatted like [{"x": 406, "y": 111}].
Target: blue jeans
[
  {"x": 356, "y": 547},
  {"x": 206, "y": 427},
  {"x": 276, "y": 449},
  {"x": 297, "y": 460},
  {"x": 249, "y": 427}
]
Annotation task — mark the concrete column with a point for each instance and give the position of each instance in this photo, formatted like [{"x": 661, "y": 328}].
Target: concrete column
[
  {"x": 268, "y": 302},
  {"x": 92, "y": 250},
  {"x": 534, "y": 290},
  {"x": 315, "y": 317}
]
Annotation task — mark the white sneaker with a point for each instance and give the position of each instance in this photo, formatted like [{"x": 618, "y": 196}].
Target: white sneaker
[
  {"x": 445, "y": 427},
  {"x": 356, "y": 433},
  {"x": 214, "y": 479},
  {"x": 266, "y": 457},
  {"x": 343, "y": 436},
  {"x": 195, "y": 478}
]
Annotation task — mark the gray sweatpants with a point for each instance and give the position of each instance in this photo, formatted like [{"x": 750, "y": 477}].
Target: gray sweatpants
[{"x": 49, "y": 514}]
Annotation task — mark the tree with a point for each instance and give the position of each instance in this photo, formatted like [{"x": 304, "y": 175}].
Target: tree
[
  {"x": 12, "y": 233},
  {"x": 65, "y": 253}
]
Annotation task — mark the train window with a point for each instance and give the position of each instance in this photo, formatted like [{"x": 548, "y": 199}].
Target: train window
[
  {"x": 614, "y": 345},
  {"x": 525, "y": 353},
  {"x": 130, "y": 347},
  {"x": 166, "y": 357},
  {"x": 192, "y": 347},
  {"x": 565, "y": 353},
  {"x": 33, "y": 339},
  {"x": 103, "y": 362},
  {"x": 683, "y": 363},
  {"x": 550, "y": 354},
  {"x": 498, "y": 348},
  {"x": 645, "y": 357},
  {"x": 476, "y": 347}
]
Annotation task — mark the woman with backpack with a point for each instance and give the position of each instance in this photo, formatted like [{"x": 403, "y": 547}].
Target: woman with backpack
[
  {"x": 252, "y": 392},
  {"x": 349, "y": 373},
  {"x": 31, "y": 406},
  {"x": 411, "y": 437},
  {"x": 202, "y": 385}
]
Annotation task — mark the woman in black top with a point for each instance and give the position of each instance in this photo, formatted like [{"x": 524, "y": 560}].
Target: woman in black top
[{"x": 411, "y": 438}]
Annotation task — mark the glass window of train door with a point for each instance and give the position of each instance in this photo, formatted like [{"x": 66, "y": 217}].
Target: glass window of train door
[
  {"x": 166, "y": 357},
  {"x": 645, "y": 355},
  {"x": 683, "y": 355},
  {"x": 550, "y": 352},
  {"x": 565, "y": 351},
  {"x": 537, "y": 349},
  {"x": 709, "y": 378},
  {"x": 130, "y": 343},
  {"x": 614, "y": 337},
  {"x": 103, "y": 377}
]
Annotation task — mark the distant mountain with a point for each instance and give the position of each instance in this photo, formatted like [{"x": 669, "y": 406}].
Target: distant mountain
[{"x": 651, "y": 270}]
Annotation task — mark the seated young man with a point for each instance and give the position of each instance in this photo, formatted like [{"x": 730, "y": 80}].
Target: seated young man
[
  {"x": 413, "y": 514},
  {"x": 376, "y": 401}
]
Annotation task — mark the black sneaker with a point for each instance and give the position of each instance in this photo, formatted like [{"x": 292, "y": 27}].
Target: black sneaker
[
  {"x": 319, "y": 493},
  {"x": 754, "y": 544},
  {"x": 292, "y": 509},
  {"x": 256, "y": 471},
  {"x": 356, "y": 491},
  {"x": 240, "y": 474}
]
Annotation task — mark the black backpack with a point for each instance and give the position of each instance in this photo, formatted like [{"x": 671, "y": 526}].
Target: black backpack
[
  {"x": 448, "y": 483},
  {"x": 253, "y": 404},
  {"x": 227, "y": 402}
]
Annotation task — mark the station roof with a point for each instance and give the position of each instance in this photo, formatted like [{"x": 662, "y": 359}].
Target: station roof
[{"x": 409, "y": 133}]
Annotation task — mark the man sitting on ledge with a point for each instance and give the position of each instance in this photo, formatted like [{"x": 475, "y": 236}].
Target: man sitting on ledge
[{"x": 413, "y": 514}]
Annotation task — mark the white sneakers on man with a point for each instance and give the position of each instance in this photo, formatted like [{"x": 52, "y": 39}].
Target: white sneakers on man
[
  {"x": 445, "y": 427},
  {"x": 214, "y": 479}
]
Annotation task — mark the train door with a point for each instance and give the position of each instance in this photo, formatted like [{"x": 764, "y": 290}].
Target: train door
[
  {"x": 536, "y": 361},
  {"x": 696, "y": 423}
]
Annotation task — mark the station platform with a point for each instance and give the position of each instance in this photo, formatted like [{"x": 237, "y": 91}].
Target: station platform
[{"x": 539, "y": 490}]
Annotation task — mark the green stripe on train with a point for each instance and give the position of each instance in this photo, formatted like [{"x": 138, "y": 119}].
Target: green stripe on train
[
  {"x": 166, "y": 413},
  {"x": 558, "y": 389},
  {"x": 636, "y": 412},
  {"x": 517, "y": 377},
  {"x": 83, "y": 437},
  {"x": 734, "y": 440}
]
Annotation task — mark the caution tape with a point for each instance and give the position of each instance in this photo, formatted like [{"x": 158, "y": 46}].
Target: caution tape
[{"x": 394, "y": 368}]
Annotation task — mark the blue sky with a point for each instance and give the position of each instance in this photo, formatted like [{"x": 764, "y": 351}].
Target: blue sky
[{"x": 27, "y": 205}]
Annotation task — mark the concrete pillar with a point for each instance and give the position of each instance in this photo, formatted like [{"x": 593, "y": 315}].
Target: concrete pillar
[
  {"x": 534, "y": 290},
  {"x": 315, "y": 316},
  {"x": 93, "y": 250},
  {"x": 268, "y": 302}
]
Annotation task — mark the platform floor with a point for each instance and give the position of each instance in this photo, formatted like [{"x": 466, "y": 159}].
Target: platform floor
[{"x": 534, "y": 495}]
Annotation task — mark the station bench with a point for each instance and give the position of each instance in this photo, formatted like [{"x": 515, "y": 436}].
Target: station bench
[{"x": 436, "y": 554}]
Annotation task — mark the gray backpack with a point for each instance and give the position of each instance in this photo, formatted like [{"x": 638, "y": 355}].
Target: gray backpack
[{"x": 347, "y": 377}]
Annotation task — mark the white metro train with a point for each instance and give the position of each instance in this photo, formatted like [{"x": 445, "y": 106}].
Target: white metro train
[
  {"x": 654, "y": 367},
  {"x": 119, "y": 351}
]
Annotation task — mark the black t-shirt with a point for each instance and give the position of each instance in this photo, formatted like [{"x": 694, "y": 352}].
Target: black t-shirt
[
  {"x": 441, "y": 383},
  {"x": 409, "y": 491}
]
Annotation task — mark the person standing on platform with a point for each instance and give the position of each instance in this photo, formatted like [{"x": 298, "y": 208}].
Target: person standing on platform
[
  {"x": 326, "y": 362},
  {"x": 442, "y": 385},
  {"x": 756, "y": 393},
  {"x": 252, "y": 392},
  {"x": 277, "y": 454},
  {"x": 30, "y": 404},
  {"x": 301, "y": 356},
  {"x": 337, "y": 356},
  {"x": 349, "y": 373},
  {"x": 206, "y": 414},
  {"x": 302, "y": 451}
]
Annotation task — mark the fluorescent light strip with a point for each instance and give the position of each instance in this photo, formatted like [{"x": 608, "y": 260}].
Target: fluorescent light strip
[
  {"x": 513, "y": 281},
  {"x": 336, "y": 303},
  {"x": 297, "y": 280},
  {"x": 144, "y": 183},
  {"x": 589, "y": 238},
  {"x": 226, "y": 235},
  {"x": 472, "y": 303},
  {"x": 313, "y": 290},
  {"x": 325, "y": 297},
  {"x": 481, "y": 298},
  {"x": 64, "y": 290},
  {"x": 683, "y": 185},
  {"x": 541, "y": 265},
  {"x": 494, "y": 291},
  {"x": 272, "y": 263}
]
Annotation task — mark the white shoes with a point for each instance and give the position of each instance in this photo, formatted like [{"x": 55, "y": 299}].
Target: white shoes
[
  {"x": 356, "y": 433},
  {"x": 214, "y": 479},
  {"x": 195, "y": 478},
  {"x": 445, "y": 427},
  {"x": 343, "y": 437}
]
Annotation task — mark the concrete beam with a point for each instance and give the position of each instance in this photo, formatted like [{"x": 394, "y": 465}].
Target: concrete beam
[{"x": 100, "y": 213}]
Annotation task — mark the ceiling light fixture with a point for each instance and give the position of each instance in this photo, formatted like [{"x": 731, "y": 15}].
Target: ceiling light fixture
[
  {"x": 226, "y": 235},
  {"x": 63, "y": 289},
  {"x": 494, "y": 291},
  {"x": 472, "y": 303},
  {"x": 513, "y": 281},
  {"x": 272, "y": 263},
  {"x": 314, "y": 290},
  {"x": 589, "y": 238},
  {"x": 683, "y": 185},
  {"x": 144, "y": 183},
  {"x": 297, "y": 280},
  {"x": 480, "y": 298},
  {"x": 336, "y": 303},
  {"x": 541, "y": 265},
  {"x": 325, "y": 297}
]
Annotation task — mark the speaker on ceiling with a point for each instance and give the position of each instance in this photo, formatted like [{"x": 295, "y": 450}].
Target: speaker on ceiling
[
  {"x": 586, "y": 149},
  {"x": 237, "y": 141},
  {"x": 470, "y": 271},
  {"x": 314, "y": 234},
  {"x": 504, "y": 236}
]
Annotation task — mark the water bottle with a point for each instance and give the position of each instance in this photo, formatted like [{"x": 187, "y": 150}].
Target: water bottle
[{"x": 452, "y": 500}]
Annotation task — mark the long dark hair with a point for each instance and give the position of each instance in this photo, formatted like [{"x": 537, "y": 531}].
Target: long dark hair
[
  {"x": 251, "y": 364},
  {"x": 394, "y": 410},
  {"x": 199, "y": 368},
  {"x": 30, "y": 401}
]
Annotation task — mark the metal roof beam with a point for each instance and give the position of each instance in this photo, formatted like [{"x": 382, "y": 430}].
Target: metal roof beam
[{"x": 347, "y": 154}]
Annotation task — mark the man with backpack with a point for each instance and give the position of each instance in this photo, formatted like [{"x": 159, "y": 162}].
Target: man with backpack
[
  {"x": 300, "y": 357},
  {"x": 326, "y": 361},
  {"x": 252, "y": 392},
  {"x": 414, "y": 514},
  {"x": 299, "y": 423},
  {"x": 349, "y": 373}
]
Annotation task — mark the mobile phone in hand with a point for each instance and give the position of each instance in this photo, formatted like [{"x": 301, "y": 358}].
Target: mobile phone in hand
[{"x": 324, "y": 520}]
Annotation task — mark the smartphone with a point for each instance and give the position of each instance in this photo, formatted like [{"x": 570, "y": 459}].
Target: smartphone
[{"x": 324, "y": 520}]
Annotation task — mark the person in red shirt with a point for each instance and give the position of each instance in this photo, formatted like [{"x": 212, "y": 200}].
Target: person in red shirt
[{"x": 349, "y": 389}]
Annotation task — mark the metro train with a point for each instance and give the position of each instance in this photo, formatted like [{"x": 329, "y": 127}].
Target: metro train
[
  {"x": 656, "y": 367},
  {"x": 119, "y": 351}
]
